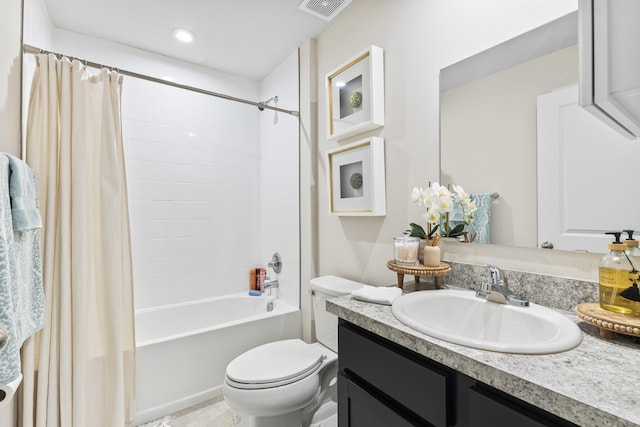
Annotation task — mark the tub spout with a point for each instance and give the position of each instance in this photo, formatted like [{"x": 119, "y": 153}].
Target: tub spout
[{"x": 269, "y": 285}]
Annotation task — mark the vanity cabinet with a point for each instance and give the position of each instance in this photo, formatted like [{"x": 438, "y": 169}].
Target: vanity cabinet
[
  {"x": 610, "y": 62},
  {"x": 382, "y": 384}
]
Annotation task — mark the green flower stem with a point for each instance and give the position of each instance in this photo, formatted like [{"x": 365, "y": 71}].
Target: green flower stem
[{"x": 447, "y": 227}]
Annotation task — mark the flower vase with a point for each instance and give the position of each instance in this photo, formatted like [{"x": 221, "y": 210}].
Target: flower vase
[{"x": 423, "y": 243}]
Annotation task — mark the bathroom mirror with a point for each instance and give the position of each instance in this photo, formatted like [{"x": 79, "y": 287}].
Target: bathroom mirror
[
  {"x": 511, "y": 124},
  {"x": 488, "y": 119}
]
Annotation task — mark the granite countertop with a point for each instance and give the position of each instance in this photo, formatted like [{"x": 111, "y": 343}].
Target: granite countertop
[{"x": 595, "y": 384}]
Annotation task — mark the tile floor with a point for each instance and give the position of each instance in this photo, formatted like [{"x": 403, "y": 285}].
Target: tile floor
[{"x": 212, "y": 413}]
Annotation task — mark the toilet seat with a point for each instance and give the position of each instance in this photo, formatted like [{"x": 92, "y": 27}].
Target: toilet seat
[{"x": 273, "y": 365}]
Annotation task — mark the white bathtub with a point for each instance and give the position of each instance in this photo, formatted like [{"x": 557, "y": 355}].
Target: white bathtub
[{"x": 183, "y": 349}]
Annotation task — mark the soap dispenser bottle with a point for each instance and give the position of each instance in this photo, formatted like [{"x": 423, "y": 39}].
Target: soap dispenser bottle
[
  {"x": 618, "y": 280},
  {"x": 632, "y": 244}
]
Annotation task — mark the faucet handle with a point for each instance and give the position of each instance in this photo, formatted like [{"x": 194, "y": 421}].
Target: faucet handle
[
  {"x": 275, "y": 263},
  {"x": 485, "y": 290}
]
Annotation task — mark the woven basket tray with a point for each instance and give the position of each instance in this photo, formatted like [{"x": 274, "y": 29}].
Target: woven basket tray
[
  {"x": 608, "y": 322},
  {"x": 420, "y": 269}
]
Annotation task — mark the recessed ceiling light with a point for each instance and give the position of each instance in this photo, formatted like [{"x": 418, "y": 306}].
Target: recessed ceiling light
[{"x": 184, "y": 36}]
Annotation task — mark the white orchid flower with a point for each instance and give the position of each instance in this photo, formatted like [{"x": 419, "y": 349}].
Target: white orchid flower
[
  {"x": 439, "y": 201},
  {"x": 459, "y": 190},
  {"x": 461, "y": 195},
  {"x": 417, "y": 195},
  {"x": 446, "y": 203},
  {"x": 432, "y": 215},
  {"x": 430, "y": 198},
  {"x": 441, "y": 191}
]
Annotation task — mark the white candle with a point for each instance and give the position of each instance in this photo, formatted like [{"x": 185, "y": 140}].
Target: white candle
[{"x": 432, "y": 256}]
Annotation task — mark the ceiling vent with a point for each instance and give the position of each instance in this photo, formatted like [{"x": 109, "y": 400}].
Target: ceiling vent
[{"x": 325, "y": 9}]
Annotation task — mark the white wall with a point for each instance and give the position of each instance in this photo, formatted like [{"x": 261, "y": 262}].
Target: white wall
[
  {"x": 10, "y": 75},
  {"x": 38, "y": 30},
  {"x": 419, "y": 38},
  {"x": 10, "y": 80}
]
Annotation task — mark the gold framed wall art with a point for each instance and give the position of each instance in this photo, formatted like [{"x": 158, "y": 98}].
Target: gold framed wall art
[
  {"x": 355, "y": 95},
  {"x": 356, "y": 178}
]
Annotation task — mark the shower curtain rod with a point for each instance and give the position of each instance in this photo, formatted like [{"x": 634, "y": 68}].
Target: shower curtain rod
[{"x": 35, "y": 50}]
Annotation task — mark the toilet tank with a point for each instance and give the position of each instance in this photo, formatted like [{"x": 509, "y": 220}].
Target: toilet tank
[{"x": 323, "y": 288}]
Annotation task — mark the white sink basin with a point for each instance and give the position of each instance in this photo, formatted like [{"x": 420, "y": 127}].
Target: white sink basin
[{"x": 458, "y": 316}]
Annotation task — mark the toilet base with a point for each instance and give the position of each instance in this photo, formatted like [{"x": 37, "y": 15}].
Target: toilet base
[
  {"x": 325, "y": 416},
  {"x": 285, "y": 420}
]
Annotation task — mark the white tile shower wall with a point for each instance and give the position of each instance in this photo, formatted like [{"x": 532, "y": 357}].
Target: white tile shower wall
[
  {"x": 279, "y": 177},
  {"x": 193, "y": 165}
]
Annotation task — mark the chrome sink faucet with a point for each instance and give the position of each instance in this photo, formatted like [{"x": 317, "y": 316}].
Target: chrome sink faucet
[{"x": 498, "y": 291}]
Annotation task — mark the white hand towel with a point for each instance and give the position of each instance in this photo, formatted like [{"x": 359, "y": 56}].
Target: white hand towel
[{"x": 377, "y": 294}]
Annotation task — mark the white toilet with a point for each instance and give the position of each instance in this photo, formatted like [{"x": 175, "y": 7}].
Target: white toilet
[{"x": 291, "y": 383}]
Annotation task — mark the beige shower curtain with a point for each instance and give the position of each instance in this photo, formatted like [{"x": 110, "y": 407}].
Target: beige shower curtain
[{"x": 79, "y": 370}]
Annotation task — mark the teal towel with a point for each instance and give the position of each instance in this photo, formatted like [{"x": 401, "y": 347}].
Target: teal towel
[
  {"x": 21, "y": 291},
  {"x": 481, "y": 217},
  {"x": 22, "y": 190}
]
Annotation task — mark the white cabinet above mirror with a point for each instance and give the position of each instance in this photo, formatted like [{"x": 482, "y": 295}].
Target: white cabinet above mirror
[{"x": 610, "y": 62}]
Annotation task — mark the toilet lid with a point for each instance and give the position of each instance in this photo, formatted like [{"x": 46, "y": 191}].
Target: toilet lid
[{"x": 274, "y": 364}]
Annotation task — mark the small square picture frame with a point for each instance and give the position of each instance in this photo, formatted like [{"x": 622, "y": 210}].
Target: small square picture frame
[
  {"x": 356, "y": 178},
  {"x": 355, "y": 95}
]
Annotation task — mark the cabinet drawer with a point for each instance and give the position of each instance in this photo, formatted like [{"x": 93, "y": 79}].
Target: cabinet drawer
[
  {"x": 422, "y": 388},
  {"x": 358, "y": 408},
  {"x": 490, "y": 408}
]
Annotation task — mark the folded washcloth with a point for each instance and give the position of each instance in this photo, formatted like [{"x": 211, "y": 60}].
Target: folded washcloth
[
  {"x": 377, "y": 294},
  {"x": 24, "y": 212}
]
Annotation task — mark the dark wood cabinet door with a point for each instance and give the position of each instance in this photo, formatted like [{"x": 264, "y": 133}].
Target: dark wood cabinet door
[{"x": 358, "y": 408}]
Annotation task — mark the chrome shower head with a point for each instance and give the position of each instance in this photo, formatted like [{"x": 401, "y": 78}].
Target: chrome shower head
[{"x": 263, "y": 103}]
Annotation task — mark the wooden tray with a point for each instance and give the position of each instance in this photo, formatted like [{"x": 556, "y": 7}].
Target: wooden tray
[
  {"x": 420, "y": 270},
  {"x": 607, "y": 321}
]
